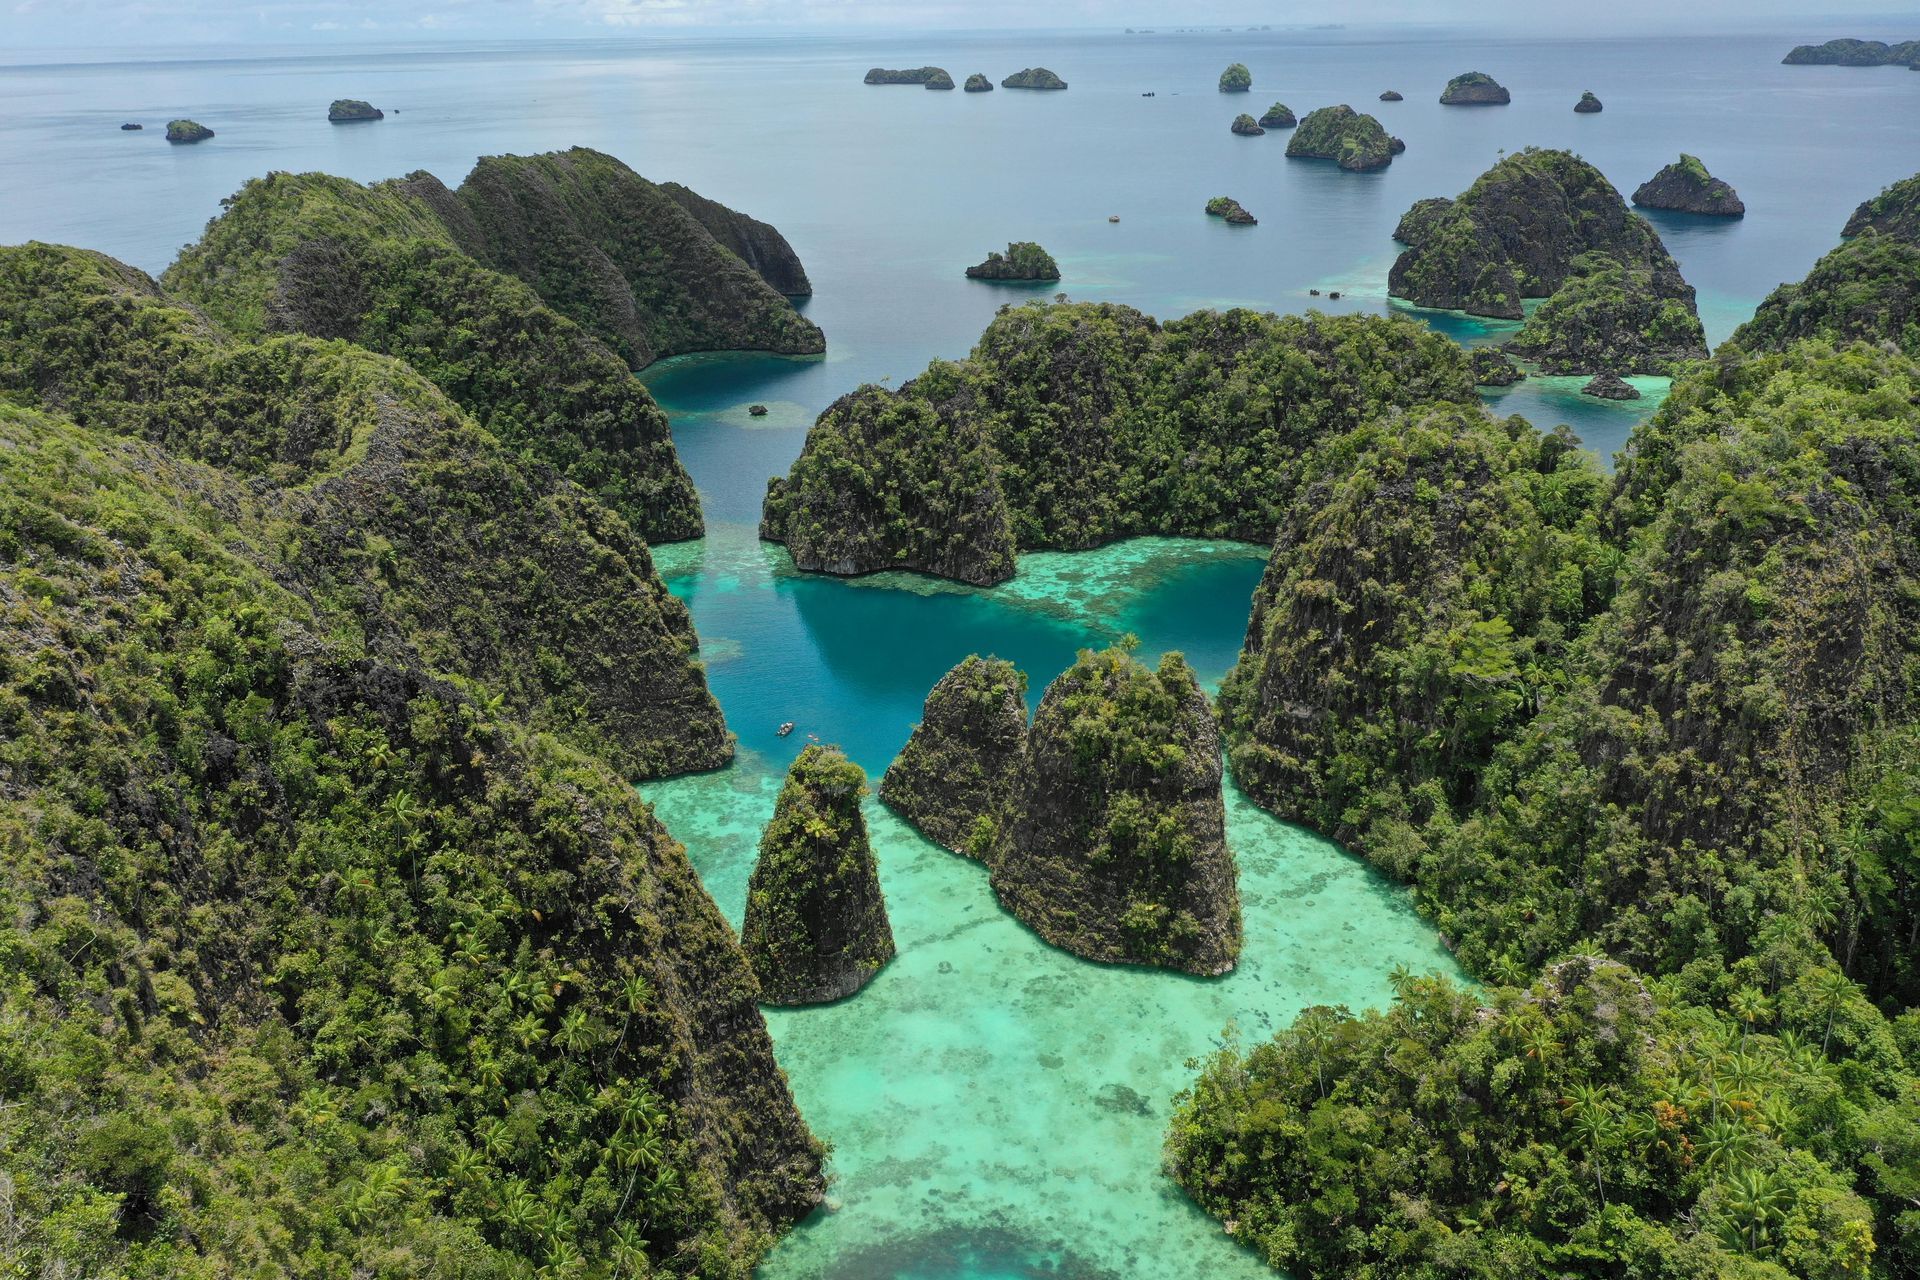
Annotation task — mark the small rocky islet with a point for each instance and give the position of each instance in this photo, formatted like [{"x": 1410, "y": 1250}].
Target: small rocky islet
[
  {"x": 353, "y": 111},
  {"x": 1236, "y": 79},
  {"x": 1474, "y": 89},
  {"x": 928, "y": 77},
  {"x": 1588, "y": 105},
  {"x": 1033, "y": 78},
  {"x": 1685, "y": 186},
  {"x": 1231, "y": 210},
  {"x": 1393, "y": 95},
  {"x": 1278, "y": 116},
  {"x": 978, "y": 83},
  {"x": 131, "y": 127},
  {"x": 1023, "y": 261},
  {"x": 816, "y": 927},
  {"x": 1246, "y": 126},
  {"x": 187, "y": 131},
  {"x": 1351, "y": 139},
  {"x": 1609, "y": 386}
]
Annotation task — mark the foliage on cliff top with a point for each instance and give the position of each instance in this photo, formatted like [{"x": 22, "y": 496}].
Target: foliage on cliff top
[{"x": 1867, "y": 290}]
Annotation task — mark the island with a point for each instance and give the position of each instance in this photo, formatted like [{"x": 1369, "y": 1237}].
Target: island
[
  {"x": 1278, "y": 116},
  {"x": 130, "y": 127},
  {"x": 977, "y": 83},
  {"x": 1024, "y": 260},
  {"x": 959, "y": 777},
  {"x": 1347, "y": 137},
  {"x": 1236, "y": 78},
  {"x": 927, "y": 76},
  {"x": 1393, "y": 95},
  {"x": 1246, "y": 126},
  {"x": 1493, "y": 368},
  {"x": 1033, "y": 78},
  {"x": 187, "y": 131},
  {"x": 1685, "y": 186},
  {"x": 1607, "y": 386},
  {"x": 353, "y": 111},
  {"x": 1230, "y": 209},
  {"x": 1474, "y": 89},
  {"x": 1854, "y": 53},
  {"x": 1117, "y": 849},
  {"x": 1609, "y": 318},
  {"x": 1894, "y": 212},
  {"x": 1588, "y": 104},
  {"x": 816, "y": 927}
]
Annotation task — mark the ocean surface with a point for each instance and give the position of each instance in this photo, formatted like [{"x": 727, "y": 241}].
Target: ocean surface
[{"x": 995, "y": 1106}]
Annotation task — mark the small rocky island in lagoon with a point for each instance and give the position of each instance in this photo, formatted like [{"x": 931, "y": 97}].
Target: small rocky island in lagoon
[
  {"x": 1588, "y": 104},
  {"x": 1609, "y": 386},
  {"x": 1855, "y": 53},
  {"x": 1033, "y": 78},
  {"x": 816, "y": 926},
  {"x": 1474, "y": 89},
  {"x": 959, "y": 775},
  {"x": 1685, "y": 186},
  {"x": 977, "y": 83},
  {"x": 1236, "y": 79},
  {"x": 1279, "y": 116},
  {"x": 1023, "y": 260},
  {"x": 1349, "y": 138},
  {"x": 928, "y": 76},
  {"x": 353, "y": 111},
  {"x": 1230, "y": 209},
  {"x": 1246, "y": 126},
  {"x": 187, "y": 131}
]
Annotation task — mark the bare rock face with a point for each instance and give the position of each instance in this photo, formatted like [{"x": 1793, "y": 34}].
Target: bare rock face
[
  {"x": 816, "y": 927},
  {"x": 960, "y": 773},
  {"x": 1118, "y": 851}
]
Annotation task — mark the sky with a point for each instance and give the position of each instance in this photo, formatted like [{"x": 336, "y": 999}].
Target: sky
[{"x": 127, "y": 22}]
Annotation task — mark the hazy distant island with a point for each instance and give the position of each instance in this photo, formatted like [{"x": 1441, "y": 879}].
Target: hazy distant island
[
  {"x": 1033, "y": 78},
  {"x": 1023, "y": 260},
  {"x": 1393, "y": 95},
  {"x": 931, "y": 77},
  {"x": 130, "y": 127},
  {"x": 1854, "y": 53},
  {"x": 977, "y": 83},
  {"x": 352, "y": 111},
  {"x": 1474, "y": 89}
]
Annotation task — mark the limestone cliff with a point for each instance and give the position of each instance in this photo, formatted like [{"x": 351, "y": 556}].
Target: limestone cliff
[{"x": 960, "y": 774}]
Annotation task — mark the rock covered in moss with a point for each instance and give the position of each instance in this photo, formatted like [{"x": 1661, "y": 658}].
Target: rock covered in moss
[
  {"x": 1493, "y": 368},
  {"x": 1607, "y": 318},
  {"x": 1033, "y": 78},
  {"x": 1347, "y": 137},
  {"x": 187, "y": 131},
  {"x": 816, "y": 925},
  {"x": 352, "y": 111},
  {"x": 1608, "y": 386},
  {"x": 1236, "y": 78},
  {"x": 977, "y": 83},
  {"x": 1517, "y": 232},
  {"x": 1588, "y": 104},
  {"x": 1685, "y": 186},
  {"x": 1230, "y": 209},
  {"x": 1023, "y": 260},
  {"x": 915, "y": 75},
  {"x": 960, "y": 774},
  {"x": 1278, "y": 116},
  {"x": 1474, "y": 89},
  {"x": 1894, "y": 212},
  {"x": 1246, "y": 126},
  {"x": 1118, "y": 852}
]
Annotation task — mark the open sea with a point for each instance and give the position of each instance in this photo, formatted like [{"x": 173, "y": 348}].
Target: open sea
[{"x": 995, "y": 1106}]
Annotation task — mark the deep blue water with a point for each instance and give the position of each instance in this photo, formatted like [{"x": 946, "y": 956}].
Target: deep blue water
[{"x": 971, "y": 1138}]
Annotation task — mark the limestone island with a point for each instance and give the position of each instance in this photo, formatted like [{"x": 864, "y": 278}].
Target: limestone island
[
  {"x": 1393, "y": 95},
  {"x": 1033, "y": 78},
  {"x": 1685, "y": 186},
  {"x": 915, "y": 75},
  {"x": 131, "y": 127},
  {"x": 1023, "y": 260},
  {"x": 1492, "y": 367},
  {"x": 1230, "y": 209},
  {"x": 1474, "y": 89},
  {"x": 187, "y": 131},
  {"x": 1353, "y": 141},
  {"x": 1894, "y": 212},
  {"x": 1607, "y": 386},
  {"x": 1117, "y": 850},
  {"x": 1588, "y": 104},
  {"x": 1854, "y": 53},
  {"x": 1395, "y": 145},
  {"x": 353, "y": 111},
  {"x": 961, "y": 772},
  {"x": 1246, "y": 126},
  {"x": 816, "y": 925},
  {"x": 1236, "y": 79},
  {"x": 1278, "y": 116},
  {"x": 977, "y": 83}
]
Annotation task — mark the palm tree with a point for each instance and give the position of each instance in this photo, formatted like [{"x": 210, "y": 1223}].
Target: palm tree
[
  {"x": 1754, "y": 1200},
  {"x": 1724, "y": 1143},
  {"x": 1593, "y": 1125},
  {"x": 1750, "y": 1005},
  {"x": 1835, "y": 989},
  {"x": 626, "y": 1249}
]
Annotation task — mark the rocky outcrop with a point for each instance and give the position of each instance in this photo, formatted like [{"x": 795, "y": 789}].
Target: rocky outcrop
[
  {"x": 1347, "y": 137},
  {"x": 1492, "y": 368},
  {"x": 941, "y": 81},
  {"x": 1246, "y": 126},
  {"x": 1607, "y": 386},
  {"x": 1236, "y": 78},
  {"x": 816, "y": 925},
  {"x": 960, "y": 775},
  {"x": 1588, "y": 104},
  {"x": 917, "y": 75},
  {"x": 1608, "y": 319},
  {"x": 1396, "y": 146},
  {"x": 1033, "y": 78},
  {"x": 1023, "y": 261},
  {"x": 758, "y": 244},
  {"x": 1685, "y": 186},
  {"x": 1230, "y": 209},
  {"x": 1075, "y": 424},
  {"x": 977, "y": 83},
  {"x": 1278, "y": 116},
  {"x": 1118, "y": 850},
  {"x": 1393, "y": 95},
  {"x": 352, "y": 111},
  {"x": 187, "y": 131},
  {"x": 1894, "y": 212},
  {"x": 131, "y": 127},
  {"x": 1517, "y": 233},
  {"x": 1474, "y": 89},
  {"x": 1854, "y": 53}
]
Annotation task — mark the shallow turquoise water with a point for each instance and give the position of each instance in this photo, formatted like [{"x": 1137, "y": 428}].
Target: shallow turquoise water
[{"x": 996, "y": 1106}]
